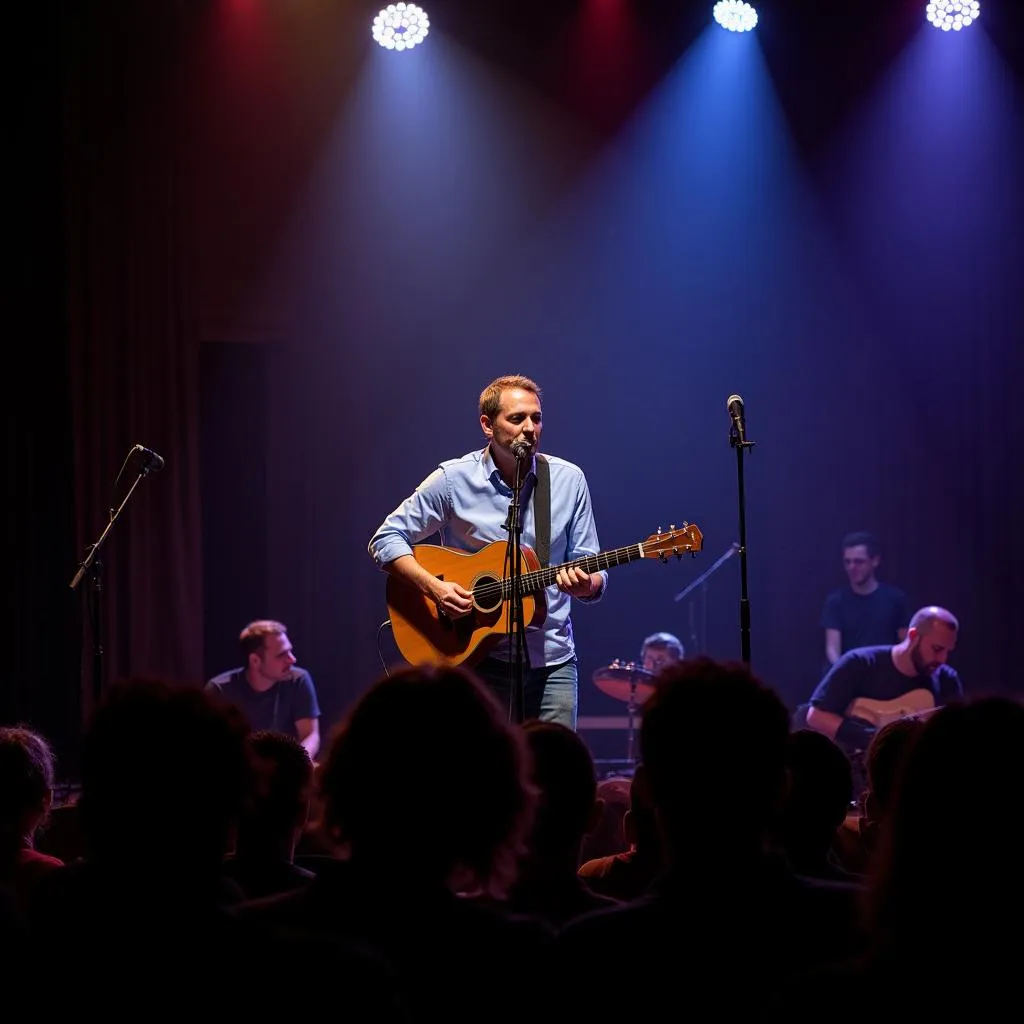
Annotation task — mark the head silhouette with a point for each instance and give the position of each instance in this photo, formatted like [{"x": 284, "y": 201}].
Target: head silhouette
[
  {"x": 433, "y": 723},
  {"x": 563, "y": 772},
  {"x": 817, "y": 797},
  {"x": 713, "y": 743},
  {"x": 950, "y": 857},
  {"x": 165, "y": 772},
  {"x": 26, "y": 785}
]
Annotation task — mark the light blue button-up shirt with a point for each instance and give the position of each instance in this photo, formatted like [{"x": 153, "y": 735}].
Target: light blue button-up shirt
[{"x": 466, "y": 501}]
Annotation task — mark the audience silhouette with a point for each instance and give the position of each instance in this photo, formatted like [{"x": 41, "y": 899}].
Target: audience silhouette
[
  {"x": 548, "y": 886},
  {"x": 728, "y": 920},
  {"x": 406, "y": 852}
]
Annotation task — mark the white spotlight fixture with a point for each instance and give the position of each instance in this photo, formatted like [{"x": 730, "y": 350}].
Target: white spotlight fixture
[
  {"x": 953, "y": 15},
  {"x": 401, "y": 26},
  {"x": 735, "y": 15}
]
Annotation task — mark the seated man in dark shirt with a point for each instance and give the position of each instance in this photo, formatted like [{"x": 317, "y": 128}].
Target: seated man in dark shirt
[
  {"x": 271, "y": 690},
  {"x": 870, "y": 686}
]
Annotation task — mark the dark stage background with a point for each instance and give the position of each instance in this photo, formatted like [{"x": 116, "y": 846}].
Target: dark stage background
[{"x": 287, "y": 260}]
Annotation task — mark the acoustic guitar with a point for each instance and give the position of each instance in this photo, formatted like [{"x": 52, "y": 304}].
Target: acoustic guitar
[
  {"x": 915, "y": 703},
  {"x": 424, "y": 634}
]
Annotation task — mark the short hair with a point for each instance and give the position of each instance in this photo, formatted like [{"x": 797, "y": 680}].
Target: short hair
[
  {"x": 165, "y": 769},
  {"x": 884, "y": 756},
  {"x": 26, "y": 773},
  {"x": 861, "y": 538},
  {"x": 283, "y": 778},
  {"x": 957, "y": 791},
  {"x": 375, "y": 797},
  {"x": 606, "y": 837},
  {"x": 924, "y": 618},
  {"x": 563, "y": 771},
  {"x": 254, "y": 636},
  {"x": 732, "y": 775},
  {"x": 490, "y": 397},
  {"x": 665, "y": 641}
]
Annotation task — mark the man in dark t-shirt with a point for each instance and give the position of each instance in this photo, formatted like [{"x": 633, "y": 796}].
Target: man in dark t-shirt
[
  {"x": 865, "y": 612},
  {"x": 270, "y": 689},
  {"x": 886, "y": 674}
]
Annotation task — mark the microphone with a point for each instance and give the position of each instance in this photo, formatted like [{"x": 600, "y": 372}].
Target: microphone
[
  {"x": 734, "y": 403},
  {"x": 151, "y": 462},
  {"x": 521, "y": 449}
]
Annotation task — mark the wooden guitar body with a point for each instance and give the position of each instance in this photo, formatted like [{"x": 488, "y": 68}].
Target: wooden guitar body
[
  {"x": 423, "y": 634},
  {"x": 882, "y": 712}
]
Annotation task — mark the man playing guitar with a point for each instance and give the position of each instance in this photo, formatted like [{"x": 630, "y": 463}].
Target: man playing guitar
[
  {"x": 467, "y": 501},
  {"x": 870, "y": 686}
]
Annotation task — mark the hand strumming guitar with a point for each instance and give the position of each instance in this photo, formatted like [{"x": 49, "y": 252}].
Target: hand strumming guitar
[{"x": 453, "y": 600}]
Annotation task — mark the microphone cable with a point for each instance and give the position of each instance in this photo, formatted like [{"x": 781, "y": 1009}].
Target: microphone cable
[{"x": 380, "y": 651}]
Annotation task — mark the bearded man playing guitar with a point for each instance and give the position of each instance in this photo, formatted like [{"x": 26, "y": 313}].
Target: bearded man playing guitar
[
  {"x": 871, "y": 686},
  {"x": 467, "y": 500}
]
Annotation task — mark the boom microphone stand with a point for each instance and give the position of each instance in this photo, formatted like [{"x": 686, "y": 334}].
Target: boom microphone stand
[
  {"x": 149, "y": 462},
  {"x": 738, "y": 440},
  {"x": 700, "y": 642}
]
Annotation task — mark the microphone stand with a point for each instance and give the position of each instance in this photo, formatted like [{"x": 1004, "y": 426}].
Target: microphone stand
[
  {"x": 738, "y": 440},
  {"x": 702, "y": 582},
  {"x": 631, "y": 709},
  {"x": 517, "y": 628},
  {"x": 93, "y": 567}
]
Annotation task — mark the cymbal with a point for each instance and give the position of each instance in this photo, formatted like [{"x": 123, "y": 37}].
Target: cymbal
[{"x": 620, "y": 679}]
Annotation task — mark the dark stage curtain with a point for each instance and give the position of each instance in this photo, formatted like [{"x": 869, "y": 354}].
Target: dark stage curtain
[{"x": 133, "y": 334}]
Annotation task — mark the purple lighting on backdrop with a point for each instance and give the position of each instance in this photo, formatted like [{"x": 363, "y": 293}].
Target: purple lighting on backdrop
[{"x": 681, "y": 258}]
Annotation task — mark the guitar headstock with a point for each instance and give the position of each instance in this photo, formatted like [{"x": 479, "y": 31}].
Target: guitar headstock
[{"x": 676, "y": 540}]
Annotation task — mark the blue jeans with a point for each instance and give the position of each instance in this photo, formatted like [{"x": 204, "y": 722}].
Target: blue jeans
[{"x": 549, "y": 693}]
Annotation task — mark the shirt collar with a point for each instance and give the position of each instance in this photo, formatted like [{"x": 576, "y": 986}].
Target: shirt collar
[{"x": 494, "y": 474}]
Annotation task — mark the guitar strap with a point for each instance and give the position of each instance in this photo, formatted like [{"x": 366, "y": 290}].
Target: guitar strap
[{"x": 542, "y": 510}]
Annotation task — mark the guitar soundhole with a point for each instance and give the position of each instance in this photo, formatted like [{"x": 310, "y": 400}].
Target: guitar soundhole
[{"x": 487, "y": 593}]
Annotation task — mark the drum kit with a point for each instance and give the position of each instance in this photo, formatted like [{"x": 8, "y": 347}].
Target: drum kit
[{"x": 630, "y": 682}]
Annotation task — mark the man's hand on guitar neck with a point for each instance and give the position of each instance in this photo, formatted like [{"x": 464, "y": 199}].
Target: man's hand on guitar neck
[{"x": 574, "y": 581}]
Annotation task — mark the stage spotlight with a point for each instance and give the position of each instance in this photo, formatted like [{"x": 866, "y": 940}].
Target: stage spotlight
[
  {"x": 401, "y": 26},
  {"x": 953, "y": 15},
  {"x": 735, "y": 15}
]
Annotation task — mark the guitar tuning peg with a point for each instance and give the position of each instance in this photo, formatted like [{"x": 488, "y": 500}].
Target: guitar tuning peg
[{"x": 671, "y": 526}]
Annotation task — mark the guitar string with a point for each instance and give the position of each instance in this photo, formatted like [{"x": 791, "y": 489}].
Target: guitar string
[
  {"x": 535, "y": 579},
  {"x": 539, "y": 579}
]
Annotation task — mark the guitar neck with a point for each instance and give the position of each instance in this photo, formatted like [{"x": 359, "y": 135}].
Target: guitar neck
[{"x": 539, "y": 579}]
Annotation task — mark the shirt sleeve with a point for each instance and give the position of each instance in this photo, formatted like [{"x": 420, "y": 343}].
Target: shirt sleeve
[
  {"x": 830, "y": 613},
  {"x": 582, "y": 536},
  {"x": 839, "y": 687},
  {"x": 304, "y": 702},
  {"x": 425, "y": 511}
]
